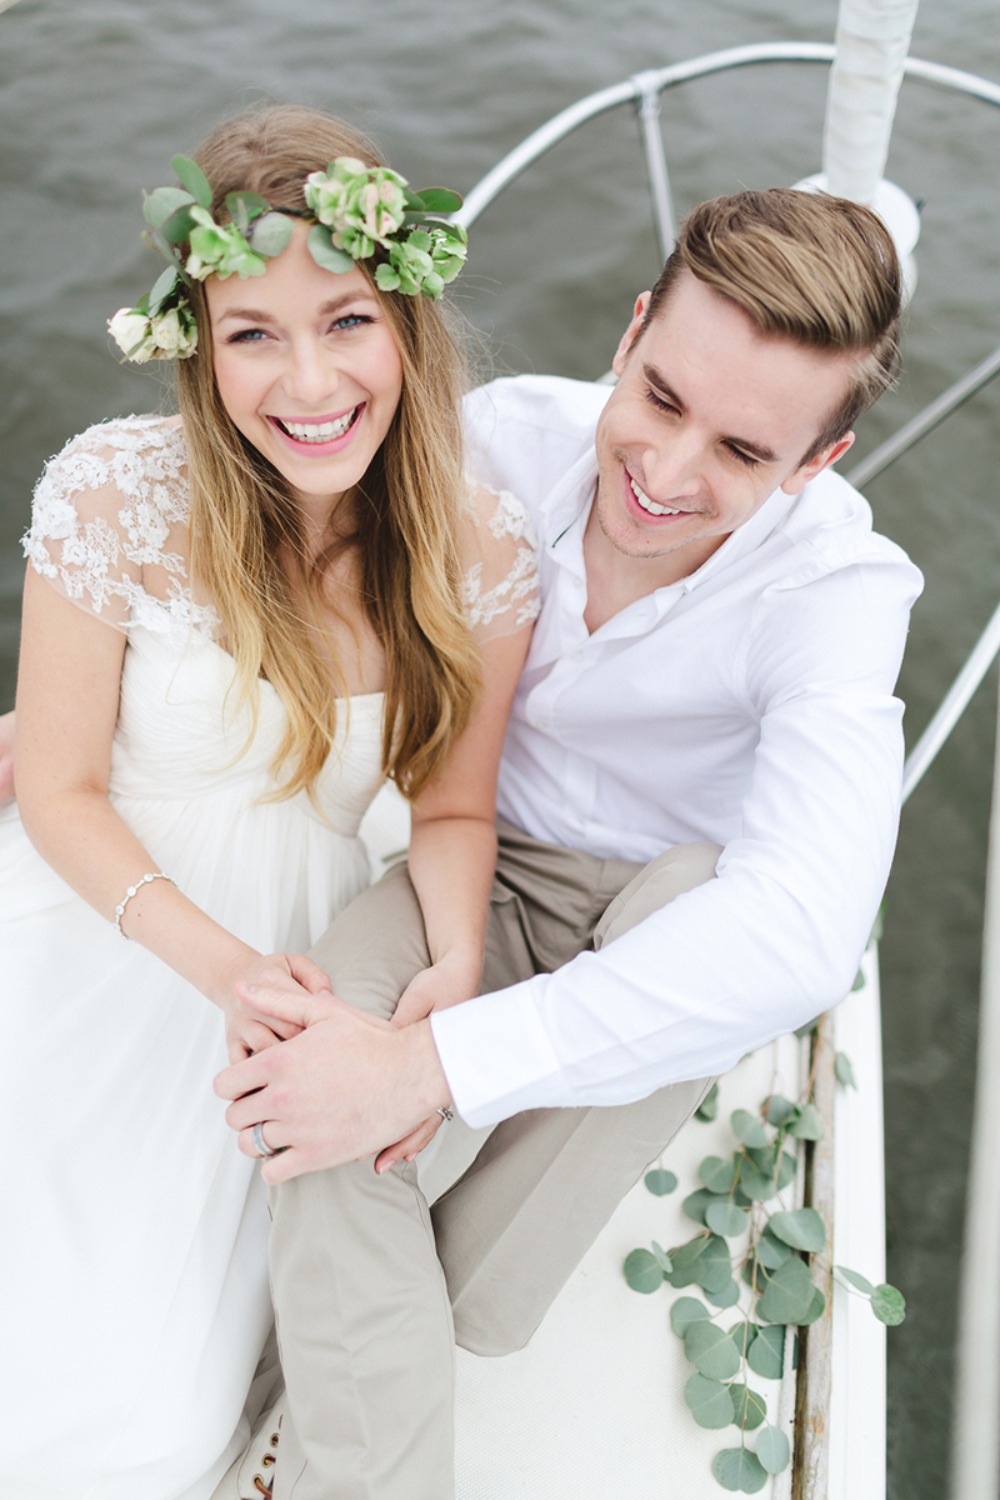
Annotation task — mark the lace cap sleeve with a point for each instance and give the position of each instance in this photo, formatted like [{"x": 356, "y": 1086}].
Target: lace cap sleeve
[
  {"x": 500, "y": 588},
  {"x": 108, "y": 515}
]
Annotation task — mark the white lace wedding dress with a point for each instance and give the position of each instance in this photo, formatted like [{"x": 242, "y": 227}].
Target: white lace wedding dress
[{"x": 133, "y": 1261}]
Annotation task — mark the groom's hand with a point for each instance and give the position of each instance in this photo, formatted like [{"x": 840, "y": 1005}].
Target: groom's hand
[{"x": 334, "y": 1093}]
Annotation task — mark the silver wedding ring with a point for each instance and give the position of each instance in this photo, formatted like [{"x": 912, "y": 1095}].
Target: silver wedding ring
[
  {"x": 446, "y": 1113},
  {"x": 263, "y": 1149}
]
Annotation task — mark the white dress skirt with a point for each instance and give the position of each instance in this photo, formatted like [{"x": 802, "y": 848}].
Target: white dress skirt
[{"x": 133, "y": 1254}]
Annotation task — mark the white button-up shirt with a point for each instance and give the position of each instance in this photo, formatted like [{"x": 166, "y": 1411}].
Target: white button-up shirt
[{"x": 751, "y": 704}]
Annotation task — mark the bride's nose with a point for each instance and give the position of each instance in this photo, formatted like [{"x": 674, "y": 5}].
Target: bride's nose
[{"x": 311, "y": 373}]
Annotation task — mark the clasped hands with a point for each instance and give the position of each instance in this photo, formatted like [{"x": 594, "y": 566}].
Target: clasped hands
[{"x": 331, "y": 1083}]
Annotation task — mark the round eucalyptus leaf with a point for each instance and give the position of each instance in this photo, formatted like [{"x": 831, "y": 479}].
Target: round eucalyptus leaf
[
  {"x": 685, "y": 1311},
  {"x": 163, "y": 287},
  {"x": 773, "y": 1449},
  {"x": 755, "y": 1183},
  {"x": 771, "y": 1252},
  {"x": 802, "y": 1228},
  {"x": 765, "y": 1158},
  {"x": 788, "y": 1295},
  {"x": 727, "y": 1296},
  {"x": 717, "y": 1175},
  {"x": 696, "y": 1204},
  {"x": 325, "y": 253},
  {"x": 710, "y": 1403},
  {"x": 843, "y": 1071},
  {"x": 807, "y": 1124},
  {"x": 888, "y": 1304},
  {"x": 766, "y": 1355},
  {"x": 743, "y": 1335},
  {"x": 816, "y": 1309},
  {"x": 642, "y": 1271},
  {"x": 748, "y": 1128},
  {"x": 725, "y": 1219},
  {"x": 439, "y": 200},
  {"x": 861, "y": 1282},
  {"x": 162, "y": 202},
  {"x": 711, "y": 1351},
  {"x": 787, "y": 1167},
  {"x": 715, "y": 1267},
  {"x": 708, "y": 1109},
  {"x": 737, "y": 1469},
  {"x": 271, "y": 234},
  {"x": 660, "y": 1181},
  {"x": 750, "y": 1408},
  {"x": 778, "y": 1109}
]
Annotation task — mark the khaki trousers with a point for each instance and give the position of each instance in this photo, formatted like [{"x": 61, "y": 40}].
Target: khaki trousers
[{"x": 371, "y": 1286}]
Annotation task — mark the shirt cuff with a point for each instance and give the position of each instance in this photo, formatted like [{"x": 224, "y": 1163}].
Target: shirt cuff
[{"x": 497, "y": 1055}]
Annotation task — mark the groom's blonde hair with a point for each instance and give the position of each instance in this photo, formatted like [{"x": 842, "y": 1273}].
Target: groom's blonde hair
[{"x": 817, "y": 270}]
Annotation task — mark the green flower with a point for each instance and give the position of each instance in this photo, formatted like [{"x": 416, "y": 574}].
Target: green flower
[
  {"x": 362, "y": 206},
  {"x": 219, "y": 250}
]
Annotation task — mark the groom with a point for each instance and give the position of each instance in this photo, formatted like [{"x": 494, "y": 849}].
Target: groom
[{"x": 713, "y": 670}]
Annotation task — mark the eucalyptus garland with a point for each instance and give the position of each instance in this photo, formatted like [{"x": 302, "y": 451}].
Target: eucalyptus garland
[{"x": 752, "y": 1255}]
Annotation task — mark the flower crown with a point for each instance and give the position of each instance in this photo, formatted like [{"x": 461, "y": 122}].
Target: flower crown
[{"x": 355, "y": 212}]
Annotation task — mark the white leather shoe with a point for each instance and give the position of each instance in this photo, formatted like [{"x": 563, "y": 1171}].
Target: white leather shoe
[{"x": 251, "y": 1476}]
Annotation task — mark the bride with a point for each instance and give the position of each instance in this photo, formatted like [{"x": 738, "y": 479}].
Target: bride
[{"x": 237, "y": 622}]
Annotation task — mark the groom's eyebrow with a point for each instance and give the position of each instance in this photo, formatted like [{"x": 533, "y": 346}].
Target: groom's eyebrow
[{"x": 659, "y": 382}]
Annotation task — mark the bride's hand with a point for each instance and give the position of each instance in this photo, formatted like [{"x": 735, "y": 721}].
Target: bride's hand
[{"x": 250, "y": 1030}]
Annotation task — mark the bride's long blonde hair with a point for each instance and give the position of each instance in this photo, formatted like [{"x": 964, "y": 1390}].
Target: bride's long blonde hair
[{"x": 244, "y": 519}]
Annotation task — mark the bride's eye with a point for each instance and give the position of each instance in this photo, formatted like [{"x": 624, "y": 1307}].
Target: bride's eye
[{"x": 246, "y": 336}]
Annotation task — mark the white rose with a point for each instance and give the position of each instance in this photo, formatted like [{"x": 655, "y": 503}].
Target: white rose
[
  {"x": 131, "y": 332},
  {"x": 167, "y": 332}
]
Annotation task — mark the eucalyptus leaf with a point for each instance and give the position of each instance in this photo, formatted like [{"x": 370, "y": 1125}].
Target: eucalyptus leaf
[
  {"x": 737, "y": 1469},
  {"x": 725, "y": 1219},
  {"x": 856, "y": 1280},
  {"x": 743, "y": 1335},
  {"x": 711, "y": 1350},
  {"x": 787, "y": 1168},
  {"x": 727, "y": 1297},
  {"x": 177, "y": 228},
  {"x": 843, "y": 1071},
  {"x": 709, "y": 1401},
  {"x": 788, "y": 1295},
  {"x": 193, "y": 179},
  {"x": 245, "y": 206},
  {"x": 750, "y": 1408},
  {"x": 662, "y": 1258},
  {"x": 778, "y": 1109},
  {"x": 807, "y": 1124},
  {"x": 324, "y": 252},
  {"x": 439, "y": 200},
  {"x": 764, "y": 1158},
  {"x": 755, "y": 1183},
  {"x": 717, "y": 1174},
  {"x": 660, "y": 1181},
  {"x": 766, "y": 1355},
  {"x": 163, "y": 288},
  {"x": 802, "y": 1228},
  {"x": 162, "y": 202},
  {"x": 696, "y": 1204},
  {"x": 771, "y": 1253},
  {"x": 748, "y": 1128},
  {"x": 715, "y": 1268},
  {"x": 888, "y": 1304},
  {"x": 773, "y": 1449},
  {"x": 685, "y": 1311},
  {"x": 271, "y": 234},
  {"x": 816, "y": 1309},
  {"x": 643, "y": 1272},
  {"x": 708, "y": 1109}
]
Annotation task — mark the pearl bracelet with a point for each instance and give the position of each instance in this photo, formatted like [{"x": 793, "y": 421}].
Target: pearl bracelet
[{"x": 132, "y": 891}]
